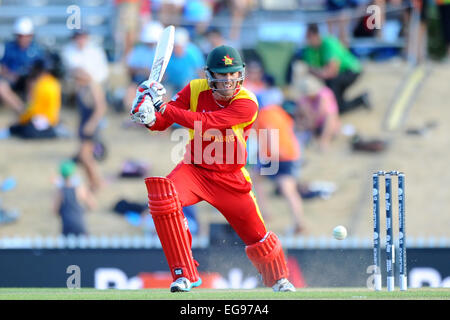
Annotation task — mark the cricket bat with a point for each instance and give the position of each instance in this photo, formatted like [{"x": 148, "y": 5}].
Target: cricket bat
[{"x": 163, "y": 52}]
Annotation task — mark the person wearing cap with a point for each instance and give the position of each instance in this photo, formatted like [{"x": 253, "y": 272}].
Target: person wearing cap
[
  {"x": 317, "y": 110},
  {"x": 18, "y": 58},
  {"x": 218, "y": 113},
  {"x": 71, "y": 200},
  {"x": 186, "y": 63},
  {"x": 139, "y": 60},
  {"x": 84, "y": 60}
]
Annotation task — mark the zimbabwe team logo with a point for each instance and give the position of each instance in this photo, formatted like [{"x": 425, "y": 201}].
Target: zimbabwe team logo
[{"x": 227, "y": 60}]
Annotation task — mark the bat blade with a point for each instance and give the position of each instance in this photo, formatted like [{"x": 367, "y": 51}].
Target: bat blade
[{"x": 163, "y": 53}]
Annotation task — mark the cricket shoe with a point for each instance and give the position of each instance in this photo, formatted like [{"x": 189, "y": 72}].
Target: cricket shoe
[
  {"x": 283, "y": 285},
  {"x": 184, "y": 285}
]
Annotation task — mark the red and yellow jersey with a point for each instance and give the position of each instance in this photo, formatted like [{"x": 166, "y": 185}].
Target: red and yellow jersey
[{"x": 218, "y": 131}]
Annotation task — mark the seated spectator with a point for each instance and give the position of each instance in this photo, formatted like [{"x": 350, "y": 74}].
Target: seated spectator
[
  {"x": 140, "y": 59},
  {"x": 317, "y": 109},
  {"x": 18, "y": 57},
  {"x": 333, "y": 63},
  {"x": 70, "y": 201},
  {"x": 286, "y": 151},
  {"x": 87, "y": 66},
  {"x": 186, "y": 63},
  {"x": 42, "y": 115}
]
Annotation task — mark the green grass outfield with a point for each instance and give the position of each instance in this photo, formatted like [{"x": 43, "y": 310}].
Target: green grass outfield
[{"x": 216, "y": 294}]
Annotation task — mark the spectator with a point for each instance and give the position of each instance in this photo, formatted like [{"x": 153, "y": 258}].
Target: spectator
[
  {"x": 318, "y": 110},
  {"x": 273, "y": 117},
  {"x": 42, "y": 115},
  {"x": 70, "y": 201},
  {"x": 255, "y": 80},
  {"x": 126, "y": 25},
  {"x": 211, "y": 39},
  {"x": 415, "y": 49},
  {"x": 395, "y": 22},
  {"x": 444, "y": 11},
  {"x": 171, "y": 12},
  {"x": 88, "y": 67},
  {"x": 339, "y": 23},
  {"x": 19, "y": 56},
  {"x": 186, "y": 63},
  {"x": 422, "y": 41},
  {"x": 239, "y": 9},
  {"x": 140, "y": 59},
  {"x": 331, "y": 62},
  {"x": 197, "y": 15}
]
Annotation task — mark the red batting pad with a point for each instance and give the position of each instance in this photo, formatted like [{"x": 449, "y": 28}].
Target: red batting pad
[
  {"x": 268, "y": 258},
  {"x": 172, "y": 228}
]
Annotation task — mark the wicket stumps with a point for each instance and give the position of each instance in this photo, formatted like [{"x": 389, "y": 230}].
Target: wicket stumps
[{"x": 390, "y": 245}]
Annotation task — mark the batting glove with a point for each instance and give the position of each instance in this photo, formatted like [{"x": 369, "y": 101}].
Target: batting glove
[
  {"x": 156, "y": 91},
  {"x": 143, "y": 111}
]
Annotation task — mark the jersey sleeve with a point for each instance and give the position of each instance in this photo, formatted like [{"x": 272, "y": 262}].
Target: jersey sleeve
[{"x": 238, "y": 112}]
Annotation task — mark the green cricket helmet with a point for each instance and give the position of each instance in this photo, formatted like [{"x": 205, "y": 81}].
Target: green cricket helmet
[{"x": 224, "y": 59}]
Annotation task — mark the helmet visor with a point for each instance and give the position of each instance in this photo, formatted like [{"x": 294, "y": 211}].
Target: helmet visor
[{"x": 218, "y": 82}]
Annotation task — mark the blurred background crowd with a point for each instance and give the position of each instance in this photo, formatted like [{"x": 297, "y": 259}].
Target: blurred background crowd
[{"x": 69, "y": 71}]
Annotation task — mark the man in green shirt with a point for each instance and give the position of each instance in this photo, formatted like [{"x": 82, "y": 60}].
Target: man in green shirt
[{"x": 330, "y": 61}]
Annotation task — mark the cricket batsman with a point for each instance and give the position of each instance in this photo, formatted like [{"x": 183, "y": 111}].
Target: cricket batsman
[{"x": 218, "y": 112}]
